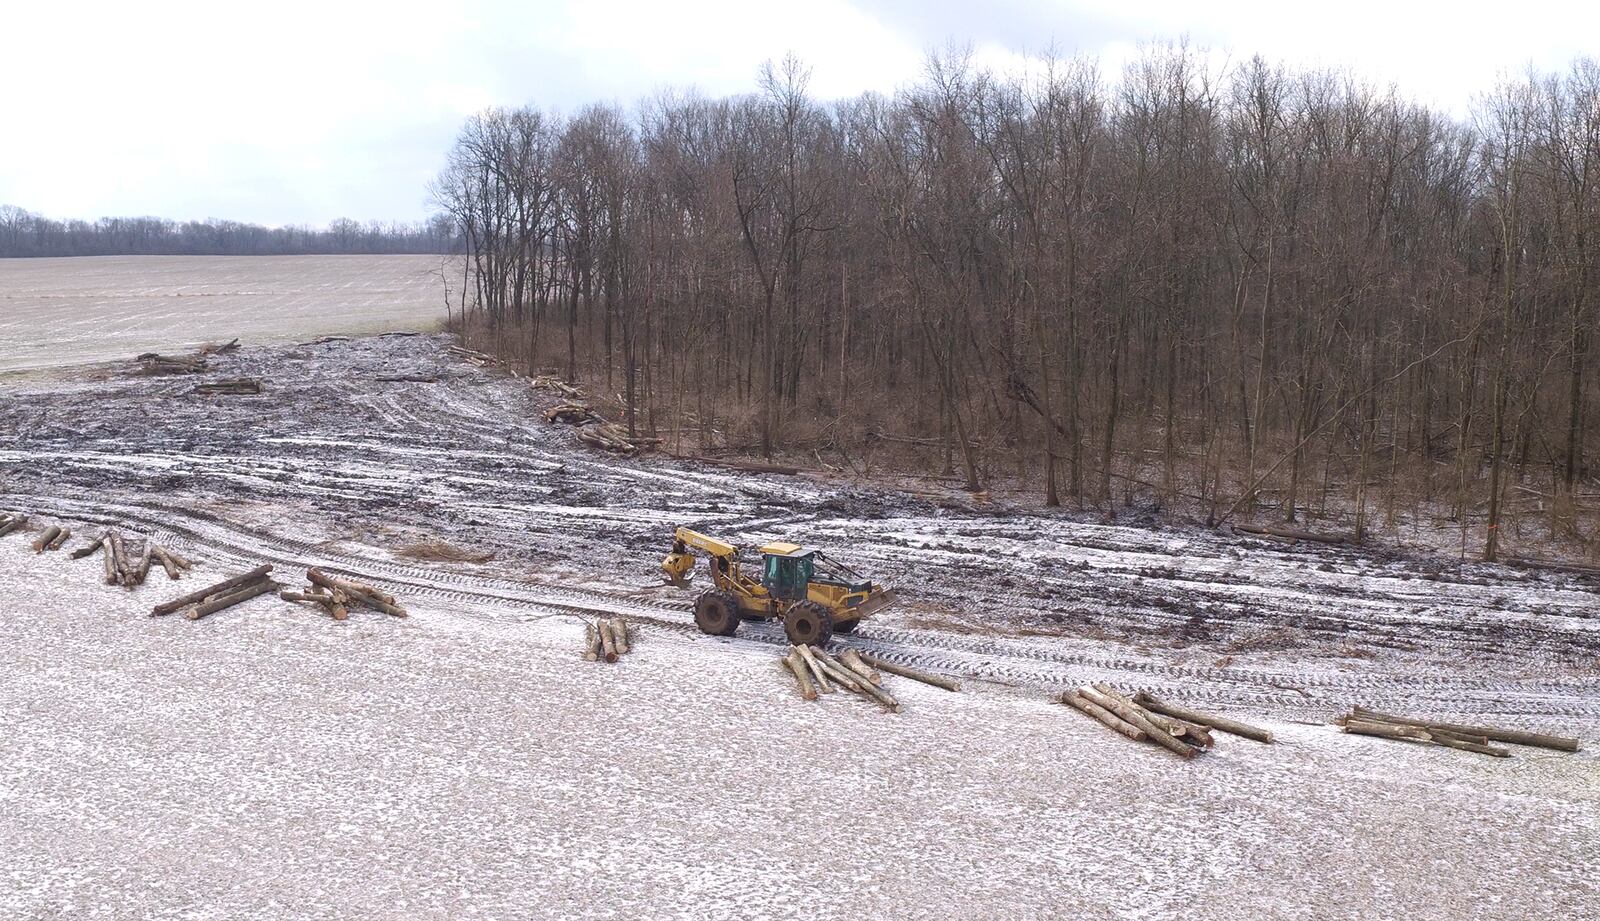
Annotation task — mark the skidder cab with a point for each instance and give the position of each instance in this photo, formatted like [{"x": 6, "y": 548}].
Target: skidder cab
[{"x": 811, "y": 593}]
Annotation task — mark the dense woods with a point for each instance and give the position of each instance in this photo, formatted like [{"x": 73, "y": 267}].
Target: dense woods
[
  {"x": 23, "y": 233},
  {"x": 1257, "y": 292}
]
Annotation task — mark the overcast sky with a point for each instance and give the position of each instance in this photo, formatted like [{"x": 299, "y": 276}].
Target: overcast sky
[{"x": 300, "y": 112}]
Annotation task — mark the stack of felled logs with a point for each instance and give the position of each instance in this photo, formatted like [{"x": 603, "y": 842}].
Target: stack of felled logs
[
  {"x": 335, "y": 595},
  {"x": 817, "y": 671},
  {"x": 152, "y": 364},
  {"x": 555, "y": 385},
  {"x": 11, "y": 522},
  {"x": 224, "y": 594},
  {"x": 593, "y": 429},
  {"x": 605, "y": 639},
  {"x": 1361, "y": 721},
  {"x": 128, "y": 569},
  {"x": 1184, "y": 732},
  {"x": 481, "y": 359}
]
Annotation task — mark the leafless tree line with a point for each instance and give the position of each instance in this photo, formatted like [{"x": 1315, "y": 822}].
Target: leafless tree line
[
  {"x": 23, "y": 233},
  {"x": 1256, "y": 290}
]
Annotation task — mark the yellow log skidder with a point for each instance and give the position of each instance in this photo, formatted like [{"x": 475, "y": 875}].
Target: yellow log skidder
[{"x": 810, "y": 593}]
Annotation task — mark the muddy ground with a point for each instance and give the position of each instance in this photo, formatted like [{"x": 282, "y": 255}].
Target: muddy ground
[
  {"x": 335, "y": 464},
  {"x": 465, "y": 761}
]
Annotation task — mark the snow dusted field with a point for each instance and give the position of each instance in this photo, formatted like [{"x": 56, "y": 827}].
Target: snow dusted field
[
  {"x": 466, "y": 763},
  {"x": 95, "y": 308},
  {"x": 268, "y": 763}
]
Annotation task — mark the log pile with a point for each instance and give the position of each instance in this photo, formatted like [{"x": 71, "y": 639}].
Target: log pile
[
  {"x": 571, "y": 414},
  {"x": 1362, "y": 721},
  {"x": 127, "y": 568},
  {"x": 1186, "y": 733},
  {"x": 556, "y": 385},
  {"x": 609, "y": 436},
  {"x": 606, "y": 639},
  {"x": 816, "y": 671},
  {"x": 473, "y": 356},
  {"x": 335, "y": 596},
  {"x": 152, "y": 364},
  {"x": 237, "y": 386},
  {"x": 11, "y": 522},
  {"x": 1293, "y": 534},
  {"x": 223, "y": 595}
]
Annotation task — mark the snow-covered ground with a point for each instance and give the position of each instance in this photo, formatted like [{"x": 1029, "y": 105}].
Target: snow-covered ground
[
  {"x": 269, "y": 763},
  {"x": 94, "y": 308}
]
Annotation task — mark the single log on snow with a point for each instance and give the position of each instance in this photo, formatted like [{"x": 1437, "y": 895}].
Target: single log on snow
[
  {"x": 254, "y": 575},
  {"x": 1153, "y": 704},
  {"x": 44, "y": 539},
  {"x": 1078, "y": 701},
  {"x": 1292, "y": 533},
  {"x": 205, "y": 608},
  {"x": 823, "y": 684},
  {"x": 802, "y": 673},
  {"x": 61, "y": 539},
  {"x": 852, "y": 660},
  {"x": 94, "y": 545},
  {"x": 938, "y": 681},
  {"x": 1387, "y": 730},
  {"x": 1513, "y": 736},
  {"x": 591, "y": 642}
]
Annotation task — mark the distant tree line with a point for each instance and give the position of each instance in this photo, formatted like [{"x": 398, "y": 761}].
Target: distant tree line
[
  {"x": 1262, "y": 291},
  {"x": 26, "y": 234}
]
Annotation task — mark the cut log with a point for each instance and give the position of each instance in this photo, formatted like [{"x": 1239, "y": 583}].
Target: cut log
[
  {"x": 141, "y": 569},
  {"x": 1133, "y": 713},
  {"x": 823, "y": 684},
  {"x": 746, "y": 466},
  {"x": 168, "y": 562},
  {"x": 836, "y": 673},
  {"x": 852, "y": 661},
  {"x": 857, "y": 683},
  {"x": 357, "y": 592},
  {"x": 1513, "y": 736},
  {"x": 222, "y": 602},
  {"x": 619, "y": 633},
  {"x": 938, "y": 681},
  {"x": 591, "y": 642},
  {"x": 1234, "y": 727},
  {"x": 254, "y": 575},
  {"x": 61, "y": 539},
  {"x": 119, "y": 554},
  {"x": 1293, "y": 533},
  {"x": 109, "y": 558},
  {"x": 241, "y": 386},
  {"x": 802, "y": 673},
  {"x": 1079, "y": 702},
  {"x": 1451, "y": 740},
  {"x": 12, "y": 523},
  {"x": 1387, "y": 730},
  {"x": 608, "y": 643},
  {"x": 94, "y": 545},
  {"x": 44, "y": 538}
]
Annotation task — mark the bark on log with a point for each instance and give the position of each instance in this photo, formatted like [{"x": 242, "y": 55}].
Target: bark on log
[
  {"x": 168, "y": 563},
  {"x": 113, "y": 571},
  {"x": 12, "y": 523},
  {"x": 357, "y": 592},
  {"x": 823, "y": 684},
  {"x": 855, "y": 682},
  {"x": 119, "y": 555},
  {"x": 852, "y": 661},
  {"x": 1134, "y": 714},
  {"x": 167, "y": 607},
  {"x": 94, "y": 545},
  {"x": 591, "y": 643},
  {"x": 1513, "y": 736},
  {"x": 938, "y": 681},
  {"x": 141, "y": 570},
  {"x": 1451, "y": 740},
  {"x": 61, "y": 539},
  {"x": 836, "y": 673},
  {"x": 205, "y": 608},
  {"x": 44, "y": 539},
  {"x": 1387, "y": 730},
  {"x": 619, "y": 634},
  {"x": 1234, "y": 727},
  {"x": 797, "y": 667},
  {"x": 608, "y": 643},
  {"x": 1079, "y": 702}
]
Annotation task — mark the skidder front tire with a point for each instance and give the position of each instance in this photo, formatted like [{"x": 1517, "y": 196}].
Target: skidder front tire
[
  {"x": 808, "y": 624},
  {"x": 716, "y": 613}
]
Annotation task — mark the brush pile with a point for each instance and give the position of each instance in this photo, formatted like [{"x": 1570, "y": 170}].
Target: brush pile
[
  {"x": 1186, "y": 733},
  {"x": 605, "y": 640},
  {"x": 224, "y": 594},
  {"x": 335, "y": 596},
  {"x": 1361, "y": 721},
  {"x": 128, "y": 560},
  {"x": 816, "y": 671}
]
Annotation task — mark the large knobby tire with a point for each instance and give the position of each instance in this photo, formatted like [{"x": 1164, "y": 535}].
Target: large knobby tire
[
  {"x": 808, "y": 624},
  {"x": 716, "y": 613}
]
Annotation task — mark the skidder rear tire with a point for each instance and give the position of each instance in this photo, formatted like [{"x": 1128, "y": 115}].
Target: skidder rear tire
[
  {"x": 716, "y": 613},
  {"x": 808, "y": 624}
]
